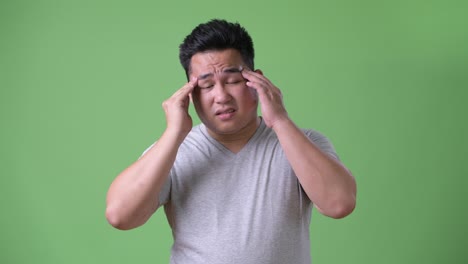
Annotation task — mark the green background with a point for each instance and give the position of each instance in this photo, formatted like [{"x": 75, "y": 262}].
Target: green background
[{"x": 82, "y": 84}]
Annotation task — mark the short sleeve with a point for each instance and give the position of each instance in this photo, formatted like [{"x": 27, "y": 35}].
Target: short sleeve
[
  {"x": 164, "y": 194},
  {"x": 322, "y": 142}
]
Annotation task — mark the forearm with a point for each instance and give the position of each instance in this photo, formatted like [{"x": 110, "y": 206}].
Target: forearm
[
  {"x": 328, "y": 184},
  {"x": 133, "y": 196}
]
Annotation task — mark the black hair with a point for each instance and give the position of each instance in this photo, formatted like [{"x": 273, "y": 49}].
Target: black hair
[{"x": 216, "y": 34}]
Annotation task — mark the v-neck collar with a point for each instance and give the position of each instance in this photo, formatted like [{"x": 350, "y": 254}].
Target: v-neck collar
[{"x": 261, "y": 127}]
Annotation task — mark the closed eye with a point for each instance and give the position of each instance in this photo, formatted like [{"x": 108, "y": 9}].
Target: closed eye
[
  {"x": 208, "y": 86},
  {"x": 234, "y": 81}
]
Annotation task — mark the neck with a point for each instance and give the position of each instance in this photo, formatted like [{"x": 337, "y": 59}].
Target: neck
[{"x": 236, "y": 141}]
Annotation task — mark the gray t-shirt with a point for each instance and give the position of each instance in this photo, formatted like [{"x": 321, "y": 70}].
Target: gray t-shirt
[{"x": 243, "y": 208}]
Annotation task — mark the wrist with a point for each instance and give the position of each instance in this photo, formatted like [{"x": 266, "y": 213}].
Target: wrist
[
  {"x": 174, "y": 135},
  {"x": 281, "y": 124}
]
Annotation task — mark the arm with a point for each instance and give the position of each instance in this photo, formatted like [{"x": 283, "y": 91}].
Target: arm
[
  {"x": 328, "y": 184},
  {"x": 133, "y": 196},
  {"x": 325, "y": 180}
]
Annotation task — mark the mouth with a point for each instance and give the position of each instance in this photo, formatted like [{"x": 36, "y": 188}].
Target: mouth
[
  {"x": 225, "y": 114},
  {"x": 225, "y": 111}
]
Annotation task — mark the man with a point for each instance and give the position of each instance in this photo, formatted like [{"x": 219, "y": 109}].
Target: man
[{"x": 238, "y": 188}]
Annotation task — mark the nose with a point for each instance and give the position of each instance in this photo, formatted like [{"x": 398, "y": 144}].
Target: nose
[{"x": 221, "y": 94}]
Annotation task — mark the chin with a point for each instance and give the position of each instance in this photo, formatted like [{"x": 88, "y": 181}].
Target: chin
[
  {"x": 230, "y": 127},
  {"x": 224, "y": 130}
]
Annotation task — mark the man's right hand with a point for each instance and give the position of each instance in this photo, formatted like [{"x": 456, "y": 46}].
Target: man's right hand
[
  {"x": 133, "y": 196},
  {"x": 178, "y": 120}
]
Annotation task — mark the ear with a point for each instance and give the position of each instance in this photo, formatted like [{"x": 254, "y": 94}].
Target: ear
[{"x": 259, "y": 71}]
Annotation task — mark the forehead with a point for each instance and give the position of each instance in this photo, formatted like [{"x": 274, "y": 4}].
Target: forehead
[{"x": 214, "y": 61}]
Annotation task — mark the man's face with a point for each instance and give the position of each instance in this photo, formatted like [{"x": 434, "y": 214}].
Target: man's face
[{"x": 222, "y": 100}]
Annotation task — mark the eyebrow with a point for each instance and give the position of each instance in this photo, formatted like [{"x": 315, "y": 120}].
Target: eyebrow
[{"x": 227, "y": 70}]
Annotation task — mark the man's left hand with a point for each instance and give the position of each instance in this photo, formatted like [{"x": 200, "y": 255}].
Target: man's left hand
[{"x": 271, "y": 99}]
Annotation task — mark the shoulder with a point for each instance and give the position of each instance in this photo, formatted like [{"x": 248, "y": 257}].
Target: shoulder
[
  {"x": 195, "y": 135},
  {"x": 196, "y": 141},
  {"x": 314, "y": 135},
  {"x": 322, "y": 141}
]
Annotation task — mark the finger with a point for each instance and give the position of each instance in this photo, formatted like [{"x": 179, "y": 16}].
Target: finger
[
  {"x": 187, "y": 88},
  {"x": 261, "y": 90},
  {"x": 261, "y": 86},
  {"x": 257, "y": 80},
  {"x": 254, "y": 76}
]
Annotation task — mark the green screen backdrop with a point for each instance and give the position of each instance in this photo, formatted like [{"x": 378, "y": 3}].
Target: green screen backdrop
[{"x": 82, "y": 84}]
